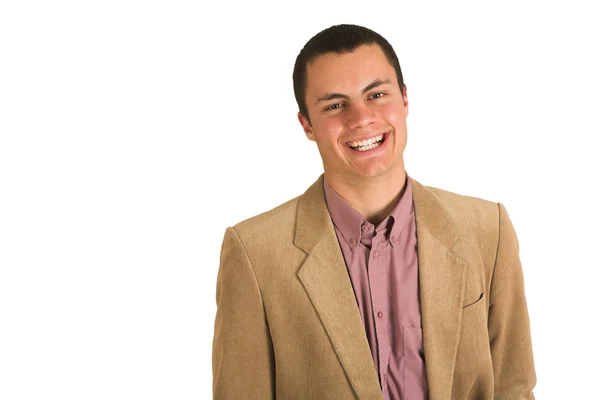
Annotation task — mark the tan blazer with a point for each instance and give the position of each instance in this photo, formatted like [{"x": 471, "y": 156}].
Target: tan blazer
[{"x": 288, "y": 326}]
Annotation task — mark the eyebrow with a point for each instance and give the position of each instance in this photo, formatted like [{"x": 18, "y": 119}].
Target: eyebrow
[{"x": 332, "y": 96}]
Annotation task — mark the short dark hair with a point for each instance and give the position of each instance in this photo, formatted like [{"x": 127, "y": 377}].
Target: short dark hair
[{"x": 340, "y": 39}]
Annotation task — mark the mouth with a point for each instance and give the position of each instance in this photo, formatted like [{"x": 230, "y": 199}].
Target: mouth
[{"x": 369, "y": 143}]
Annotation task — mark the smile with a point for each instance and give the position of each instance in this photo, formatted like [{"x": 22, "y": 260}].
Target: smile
[{"x": 368, "y": 144}]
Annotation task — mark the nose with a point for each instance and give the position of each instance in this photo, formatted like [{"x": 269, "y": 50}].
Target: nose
[{"x": 360, "y": 116}]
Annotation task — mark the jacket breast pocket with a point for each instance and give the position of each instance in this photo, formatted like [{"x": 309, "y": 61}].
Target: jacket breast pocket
[
  {"x": 471, "y": 301},
  {"x": 474, "y": 286}
]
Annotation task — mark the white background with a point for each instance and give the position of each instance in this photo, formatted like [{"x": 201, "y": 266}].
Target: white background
[{"x": 133, "y": 133}]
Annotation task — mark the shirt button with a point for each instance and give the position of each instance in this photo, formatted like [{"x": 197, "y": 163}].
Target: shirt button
[
  {"x": 375, "y": 254},
  {"x": 393, "y": 239},
  {"x": 380, "y": 314},
  {"x": 352, "y": 241},
  {"x": 365, "y": 228}
]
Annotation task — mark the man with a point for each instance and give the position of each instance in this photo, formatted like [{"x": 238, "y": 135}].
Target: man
[{"x": 370, "y": 285}]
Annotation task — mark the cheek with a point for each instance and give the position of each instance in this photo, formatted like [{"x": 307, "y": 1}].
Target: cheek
[
  {"x": 331, "y": 123},
  {"x": 329, "y": 129},
  {"x": 393, "y": 113}
]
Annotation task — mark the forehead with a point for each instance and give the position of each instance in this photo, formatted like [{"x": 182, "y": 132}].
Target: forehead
[{"x": 347, "y": 72}]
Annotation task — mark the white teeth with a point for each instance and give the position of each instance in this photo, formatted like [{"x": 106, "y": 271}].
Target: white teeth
[
  {"x": 364, "y": 144},
  {"x": 368, "y": 147}
]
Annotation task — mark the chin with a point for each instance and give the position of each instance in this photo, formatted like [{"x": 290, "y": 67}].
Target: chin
[{"x": 372, "y": 173}]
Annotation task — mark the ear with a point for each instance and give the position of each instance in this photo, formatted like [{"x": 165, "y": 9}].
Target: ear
[
  {"x": 405, "y": 96},
  {"x": 306, "y": 127}
]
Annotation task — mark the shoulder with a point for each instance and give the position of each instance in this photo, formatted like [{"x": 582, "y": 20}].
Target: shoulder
[
  {"x": 476, "y": 221},
  {"x": 467, "y": 211},
  {"x": 278, "y": 221}
]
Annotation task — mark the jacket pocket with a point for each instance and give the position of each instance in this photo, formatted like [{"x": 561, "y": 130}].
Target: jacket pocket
[{"x": 472, "y": 302}]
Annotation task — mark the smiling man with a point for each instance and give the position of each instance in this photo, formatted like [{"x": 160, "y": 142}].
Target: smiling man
[{"x": 370, "y": 285}]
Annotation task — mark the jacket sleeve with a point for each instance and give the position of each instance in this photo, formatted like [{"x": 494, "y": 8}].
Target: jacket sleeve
[
  {"x": 242, "y": 359},
  {"x": 508, "y": 323}
]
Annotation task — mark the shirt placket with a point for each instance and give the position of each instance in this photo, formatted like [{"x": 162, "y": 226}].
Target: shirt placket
[{"x": 377, "y": 263}]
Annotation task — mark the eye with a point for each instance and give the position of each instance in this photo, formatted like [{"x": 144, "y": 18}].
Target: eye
[
  {"x": 333, "y": 106},
  {"x": 377, "y": 95}
]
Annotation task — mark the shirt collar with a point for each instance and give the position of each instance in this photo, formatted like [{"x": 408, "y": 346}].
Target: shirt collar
[{"x": 349, "y": 221}]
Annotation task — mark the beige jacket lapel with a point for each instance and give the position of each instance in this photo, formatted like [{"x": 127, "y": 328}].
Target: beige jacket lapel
[
  {"x": 442, "y": 281},
  {"x": 442, "y": 273},
  {"x": 326, "y": 280}
]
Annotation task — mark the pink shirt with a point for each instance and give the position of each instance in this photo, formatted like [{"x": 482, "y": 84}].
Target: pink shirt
[{"x": 382, "y": 264}]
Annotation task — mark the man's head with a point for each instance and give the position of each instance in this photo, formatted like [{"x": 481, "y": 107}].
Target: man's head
[
  {"x": 338, "y": 39},
  {"x": 349, "y": 87}
]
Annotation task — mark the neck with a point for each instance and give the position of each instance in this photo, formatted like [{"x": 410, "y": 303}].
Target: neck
[{"x": 375, "y": 198}]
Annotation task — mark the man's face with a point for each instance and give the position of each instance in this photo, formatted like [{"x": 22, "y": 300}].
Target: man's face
[{"x": 352, "y": 97}]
